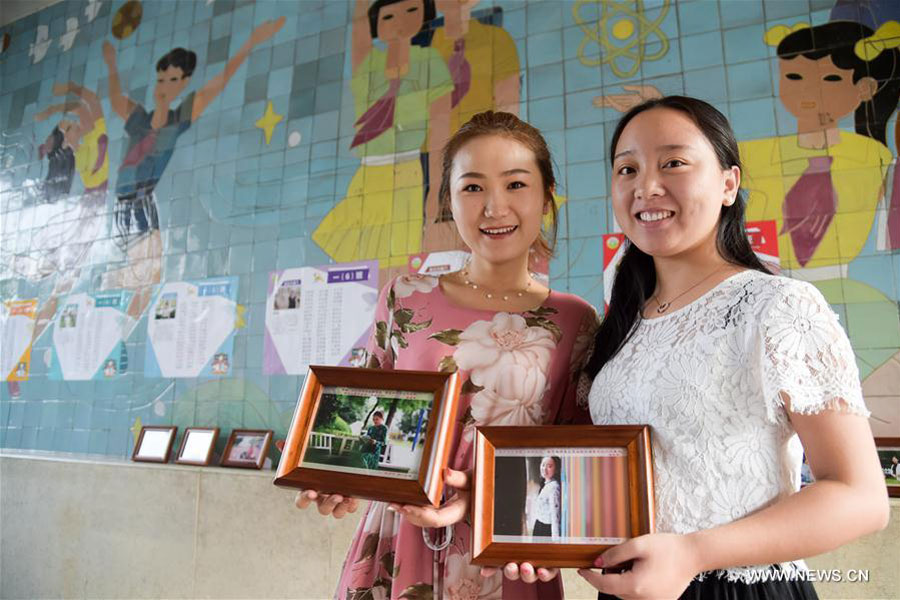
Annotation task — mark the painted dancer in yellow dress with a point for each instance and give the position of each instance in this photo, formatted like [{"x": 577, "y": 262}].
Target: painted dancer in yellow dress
[{"x": 401, "y": 95}]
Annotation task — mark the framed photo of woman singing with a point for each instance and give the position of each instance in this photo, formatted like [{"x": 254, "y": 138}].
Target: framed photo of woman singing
[{"x": 558, "y": 496}]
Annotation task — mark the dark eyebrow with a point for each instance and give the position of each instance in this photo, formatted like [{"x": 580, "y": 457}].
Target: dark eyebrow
[
  {"x": 478, "y": 175},
  {"x": 663, "y": 147}
]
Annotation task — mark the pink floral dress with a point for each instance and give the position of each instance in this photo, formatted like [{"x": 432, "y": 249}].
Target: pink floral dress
[{"x": 517, "y": 369}]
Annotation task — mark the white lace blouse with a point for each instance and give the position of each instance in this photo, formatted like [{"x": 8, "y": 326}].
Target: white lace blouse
[
  {"x": 548, "y": 506},
  {"x": 710, "y": 379}
]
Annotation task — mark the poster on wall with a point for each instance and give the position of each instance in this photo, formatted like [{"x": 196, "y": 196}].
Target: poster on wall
[
  {"x": 190, "y": 329},
  {"x": 17, "y": 318},
  {"x": 89, "y": 333},
  {"x": 319, "y": 316}
]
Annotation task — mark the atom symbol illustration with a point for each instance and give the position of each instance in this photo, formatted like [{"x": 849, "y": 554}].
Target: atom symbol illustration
[{"x": 622, "y": 32}]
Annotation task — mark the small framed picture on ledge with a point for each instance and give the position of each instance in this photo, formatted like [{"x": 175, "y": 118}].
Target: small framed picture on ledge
[
  {"x": 889, "y": 455},
  {"x": 381, "y": 435},
  {"x": 154, "y": 444},
  {"x": 558, "y": 496},
  {"x": 197, "y": 446},
  {"x": 247, "y": 448}
]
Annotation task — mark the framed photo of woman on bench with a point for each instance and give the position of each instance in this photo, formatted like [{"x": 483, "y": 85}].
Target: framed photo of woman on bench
[
  {"x": 558, "y": 496},
  {"x": 369, "y": 433}
]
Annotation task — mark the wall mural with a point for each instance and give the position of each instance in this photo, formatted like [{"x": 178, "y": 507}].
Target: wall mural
[{"x": 183, "y": 182}]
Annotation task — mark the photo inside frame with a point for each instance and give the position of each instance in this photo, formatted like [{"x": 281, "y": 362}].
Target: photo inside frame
[
  {"x": 247, "y": 447},
  {"x": 561, "y": 495},
  {"x": 369, "y": 432},
  {"x": 890, "y": 465},
  {"x": 197, "y": 445},
  {"x": 154, "y": 444}
]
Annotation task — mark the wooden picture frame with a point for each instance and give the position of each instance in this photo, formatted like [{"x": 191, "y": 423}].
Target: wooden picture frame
[
  {"x": 358, "y": 464},
  {"x": 154, "y": 443},
  {"x": 888, "y": 447},
  {"x": 247, "y": 448},
  {"x": 197, "y": 446},
  {"x": 512, "y": 473}
]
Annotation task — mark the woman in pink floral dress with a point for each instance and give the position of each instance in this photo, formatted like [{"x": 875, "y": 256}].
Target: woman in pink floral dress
[{"x": 517, "y": 345}]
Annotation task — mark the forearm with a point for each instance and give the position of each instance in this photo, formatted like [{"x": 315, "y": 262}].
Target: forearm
[
  {"x": 118, "y": 102},
  {"x": 235, "y": 63},
  {"x": 815, "y": 520},
  {"x": 361, "y": 37},
  {"x": 90, "y": 98}
]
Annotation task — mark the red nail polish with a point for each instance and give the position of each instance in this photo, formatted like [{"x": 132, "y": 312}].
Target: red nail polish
[{"x": 598, "y": 562}]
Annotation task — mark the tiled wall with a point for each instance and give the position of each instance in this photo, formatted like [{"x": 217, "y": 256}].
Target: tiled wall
[{"x": 233, "y": 203}]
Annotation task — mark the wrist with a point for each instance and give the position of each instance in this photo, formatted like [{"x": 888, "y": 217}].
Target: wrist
[{"x": 696, "y": 556}]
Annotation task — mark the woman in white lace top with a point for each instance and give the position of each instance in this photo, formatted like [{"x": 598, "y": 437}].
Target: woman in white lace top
[
  {"x": 729, "y": 365},
  {"x": 548, "y": 501}
]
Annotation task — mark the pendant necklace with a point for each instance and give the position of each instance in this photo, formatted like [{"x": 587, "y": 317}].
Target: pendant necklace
[{"x": 662, "y": 307}]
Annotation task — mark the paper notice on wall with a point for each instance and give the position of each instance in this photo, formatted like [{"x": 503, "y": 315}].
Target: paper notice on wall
[
  {"x": 319, "y": 316},
  {"x": 17, "y": 323},
  {"x": 190, "y": 329},
  {"x": 438, "y": 263},
  {"x": 89, "y": 333}
]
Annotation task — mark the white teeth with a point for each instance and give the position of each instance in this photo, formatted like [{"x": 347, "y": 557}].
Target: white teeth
[
  {"x": 499, "y": 230},
  {"x": 655, "y": 216}
]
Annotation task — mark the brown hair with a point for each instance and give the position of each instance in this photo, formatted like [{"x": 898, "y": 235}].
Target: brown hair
[{"x": 509, "y": 125}]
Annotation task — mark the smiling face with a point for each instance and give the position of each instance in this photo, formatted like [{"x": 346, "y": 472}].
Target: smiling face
[
  {"x": 169, "y": 83},
  {"x": 816, "y": 91},
  {"x": 548, "y": 468},
  {"x": 667, "y": 186},
  {"x": 497, "y": 197},
  {"x": 400, "y": 21}
]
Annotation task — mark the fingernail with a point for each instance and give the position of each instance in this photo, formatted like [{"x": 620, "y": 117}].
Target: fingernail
[
  {"x": 391, "y": 508},
  {"x": 598, "y": 562}
]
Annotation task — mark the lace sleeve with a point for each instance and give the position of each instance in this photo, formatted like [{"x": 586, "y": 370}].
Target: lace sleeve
[{"x": 806, "y": 355}]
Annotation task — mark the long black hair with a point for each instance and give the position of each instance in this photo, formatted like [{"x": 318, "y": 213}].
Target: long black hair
[
  {"x": 636, "y": 275},
  {"x": 837, "y": 40}
]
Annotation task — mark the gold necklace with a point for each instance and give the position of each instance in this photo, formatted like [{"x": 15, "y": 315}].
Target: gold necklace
[
  {"x": 662, "y": 307},
  {"x": 490, "y": 295}
]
